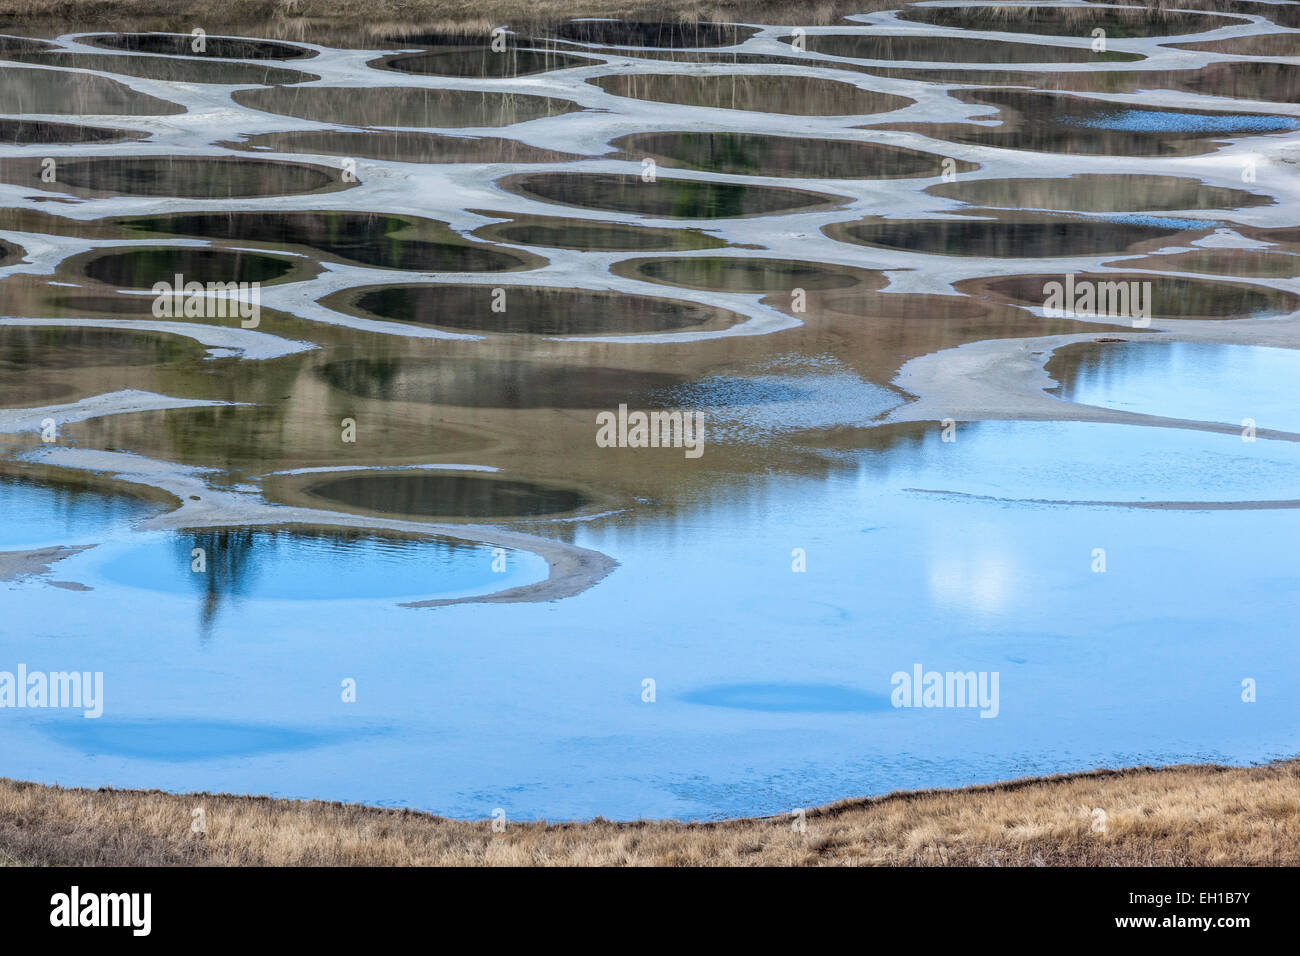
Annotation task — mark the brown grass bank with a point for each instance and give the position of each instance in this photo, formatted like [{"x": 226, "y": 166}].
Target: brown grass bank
[
  {"x": 305, "y": 19},
  {"x": 1185, "y": 815}
]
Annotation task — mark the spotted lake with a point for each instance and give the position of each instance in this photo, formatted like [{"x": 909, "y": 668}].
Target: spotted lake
[{"x": 306, "y": 336}]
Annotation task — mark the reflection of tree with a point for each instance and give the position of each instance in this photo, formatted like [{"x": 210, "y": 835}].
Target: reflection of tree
[
  {"x": 368, "y": 378},
  {"x": 230, "y": 559},
  {"x": 233, "y": 557},
  {"x": 71, "y": 503}
]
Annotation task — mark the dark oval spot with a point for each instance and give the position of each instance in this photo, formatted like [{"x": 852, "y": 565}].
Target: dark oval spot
[
  {"x": 182, "y": 44},
  {"x": 497, "y": 383},
  {"x": 373, "y": 239},
  {"x": 1099, "y": 193},
  {"x": 140, "y": 268},
  {"x": 1079, "y": 21},
  {"x": 24, "y": 132},
  {"x": 733, "y": 274},
  {"x": 533, "y": 310},
  {"x": 168, "y": 69},
  {"x": 480, "y": 61},
  {"x": 748, "y": 154},
  {"x": 191, "y": 177},
  {"x": 1169, "y": 297},
  {"x": 402, "y": 146},
  {"x": 33, "y": 90},
  {"x": 764, "y": 93},
  {"x": 952, "y": 49},
  {"x": 665, "y": 198},
  {"x": 1007, "y": 238},
  {"x": 461, "y": 496},
  {"x": 593, "y": 235},
  {"x": 403, "y": 105}
]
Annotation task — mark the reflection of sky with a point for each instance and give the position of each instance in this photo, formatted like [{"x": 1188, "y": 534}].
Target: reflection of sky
[
  {"x": 1192, "y": 380},
  {"x": 33, "y": 515},
  {"x": 766, "y": 680},
  {"x": 978, "y": 578},
  {"x": 1152, "y": 121},
  {"x": 1097, "y": 462}
]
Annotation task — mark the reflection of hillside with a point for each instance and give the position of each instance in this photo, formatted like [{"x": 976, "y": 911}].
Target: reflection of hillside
[
  {"x": 493, "y": 383},
  {"x": 1099, "y": 193},
  {"x": 1170, "y": 296},
  {"x": 1138, "y": 21},
  {"x": 480, "y": 60},
  {"x": 461, "y": 496},
  {"x": 668, "y": 34},
  {"x": 402, "y": 146},
  {"x": 416, "y": 107},
  {"x": 169, "y": 69},
  {"x": 759, "y": 155},
  {"x": 951, "y": 49},
  {"x": 387, "y": 242},
  {"x": 791, "y": 94},
  {"x": 1010, "y": 235},
  {"x": 1048, "y": 122},
  {"x": 665, "y": 197},
  {"x": 534, "y": 310}
]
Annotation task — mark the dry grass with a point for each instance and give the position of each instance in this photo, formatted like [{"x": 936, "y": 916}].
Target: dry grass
[
  {"x": 372, "y": 17},
  {"x": 449, "y": 15},
  {"x": 1186, "y": 815}
]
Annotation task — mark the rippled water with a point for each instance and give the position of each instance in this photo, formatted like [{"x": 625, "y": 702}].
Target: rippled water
[{"x": 476, "y": 260}]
